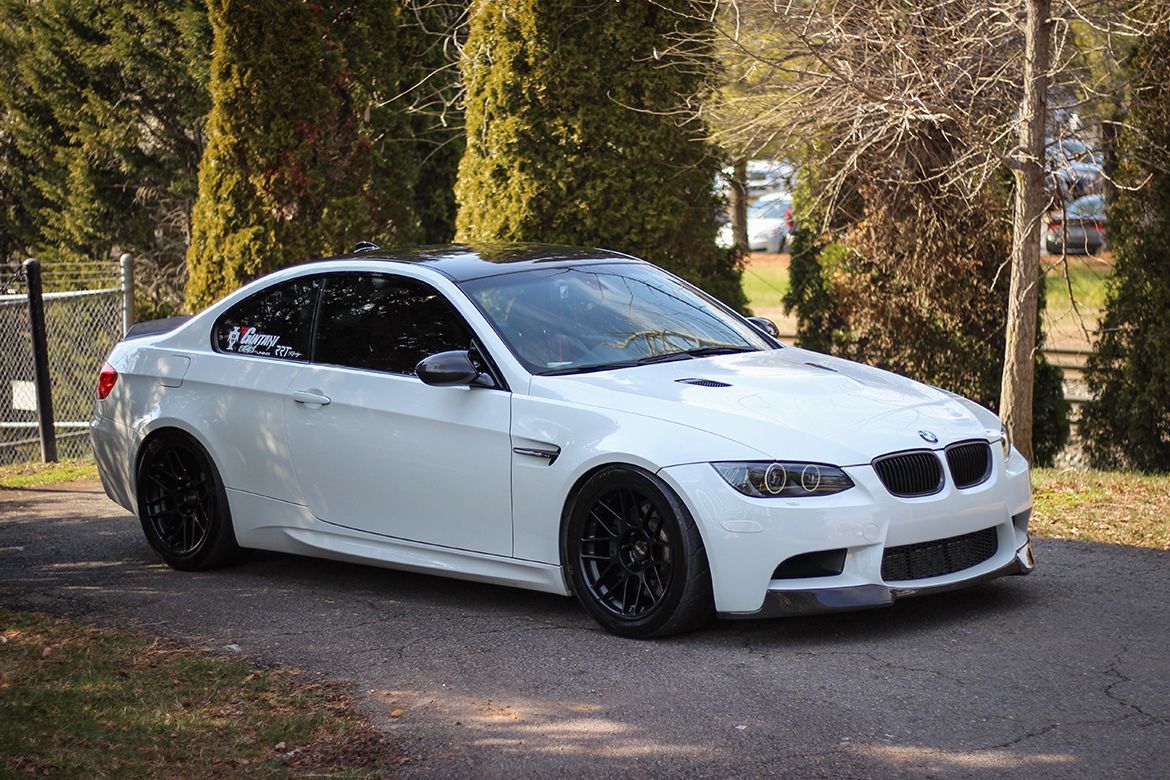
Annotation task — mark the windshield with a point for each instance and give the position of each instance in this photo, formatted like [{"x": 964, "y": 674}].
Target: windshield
[{"x": 589, "y": 318}]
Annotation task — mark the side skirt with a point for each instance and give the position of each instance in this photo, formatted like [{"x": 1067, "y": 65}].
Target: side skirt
[{"x": 268, "y": 524}]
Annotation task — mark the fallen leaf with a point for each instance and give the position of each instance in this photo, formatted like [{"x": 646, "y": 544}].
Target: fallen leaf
[{"x": 396, "y": 713}]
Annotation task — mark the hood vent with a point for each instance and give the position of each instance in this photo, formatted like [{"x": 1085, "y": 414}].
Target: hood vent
[
  {"x": 703, "y": 382},
  {"x": 823, "y": 368}
]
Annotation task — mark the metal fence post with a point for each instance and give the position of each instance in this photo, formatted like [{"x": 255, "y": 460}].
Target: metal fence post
[
  {"x": 40, "y": 350},
  {"x": 127, "y": 263}
]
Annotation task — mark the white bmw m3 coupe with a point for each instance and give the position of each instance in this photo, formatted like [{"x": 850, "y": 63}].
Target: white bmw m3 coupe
[{"x": 575, "y": 421}]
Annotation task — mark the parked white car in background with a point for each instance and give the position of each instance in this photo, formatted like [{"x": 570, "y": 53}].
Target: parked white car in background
[
  {"x": 769, "y": 221},
  {"x": 573, "y": 421}
]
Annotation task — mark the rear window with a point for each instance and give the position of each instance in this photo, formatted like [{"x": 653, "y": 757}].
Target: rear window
[{"x": 275, "y": 323}]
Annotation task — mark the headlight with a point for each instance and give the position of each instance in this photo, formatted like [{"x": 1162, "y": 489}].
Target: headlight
[
  {"x": 1005, "y": 440},
  {"x": 764, "y": 479}
]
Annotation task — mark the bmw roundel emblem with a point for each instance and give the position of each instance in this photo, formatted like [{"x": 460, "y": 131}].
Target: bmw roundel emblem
[{"x": 928, "y": 437}]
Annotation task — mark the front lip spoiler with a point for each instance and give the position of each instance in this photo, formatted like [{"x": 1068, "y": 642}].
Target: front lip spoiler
[{"x": 788, "y": 603}]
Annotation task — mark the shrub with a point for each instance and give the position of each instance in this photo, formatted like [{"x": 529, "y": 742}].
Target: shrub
[
  {"x": 1127, "y": 424},
  {"x": 911, "y": 282}
]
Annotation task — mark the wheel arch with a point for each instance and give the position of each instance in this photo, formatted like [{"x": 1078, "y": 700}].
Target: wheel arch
[
  {"x": 163, "y": 427},
  {"x": 583, "y": 479}
]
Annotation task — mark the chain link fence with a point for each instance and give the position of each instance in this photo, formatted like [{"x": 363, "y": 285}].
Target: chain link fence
[{"x": 83, "y": 305}]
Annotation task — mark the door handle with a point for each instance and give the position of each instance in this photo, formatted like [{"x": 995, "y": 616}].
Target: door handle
[{"x": 310, "y": 397}]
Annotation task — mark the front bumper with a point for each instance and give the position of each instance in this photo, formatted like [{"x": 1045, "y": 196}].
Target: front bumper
[
  {"x": 781, "y": 603},
  {"x": 747, "y": 539}
]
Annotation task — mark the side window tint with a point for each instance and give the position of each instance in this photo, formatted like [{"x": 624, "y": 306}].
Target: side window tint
[
  {"x": 385, "y": 323},
  {"x": 277, "y": 322}
]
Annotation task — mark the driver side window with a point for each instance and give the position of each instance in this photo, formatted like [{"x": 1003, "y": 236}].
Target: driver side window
[{"x": 385, "y": 323}]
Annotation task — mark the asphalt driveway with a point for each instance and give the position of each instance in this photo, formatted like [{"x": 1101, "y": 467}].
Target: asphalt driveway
[{"x": 1065, "y": 673}]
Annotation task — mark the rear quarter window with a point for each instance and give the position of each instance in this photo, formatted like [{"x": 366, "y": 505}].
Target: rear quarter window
[{"x": 275, "y": 323}]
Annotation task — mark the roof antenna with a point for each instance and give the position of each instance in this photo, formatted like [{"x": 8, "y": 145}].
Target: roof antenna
[{"x": 365, "y": 247}]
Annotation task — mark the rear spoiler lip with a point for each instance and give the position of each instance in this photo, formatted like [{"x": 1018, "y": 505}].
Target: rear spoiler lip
[{"x": 155, "y": 327}]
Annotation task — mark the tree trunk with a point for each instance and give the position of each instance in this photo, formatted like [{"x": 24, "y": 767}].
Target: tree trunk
[
  {"x": 739, "y": 232},
  {"x": 1019, "y": 367}
]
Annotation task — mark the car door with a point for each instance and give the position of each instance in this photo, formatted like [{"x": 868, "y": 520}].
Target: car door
[
  {"x": 376, "y": 449},
  {"x": 235, "y": 392}
]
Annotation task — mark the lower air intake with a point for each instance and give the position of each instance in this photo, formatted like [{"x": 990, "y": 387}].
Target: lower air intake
[{"x": 943, "y": 556}]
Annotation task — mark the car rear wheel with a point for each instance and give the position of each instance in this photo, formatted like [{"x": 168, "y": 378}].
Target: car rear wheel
[
  {"x": 635, "y": 557},
  {"x": 182, "y": 504}
]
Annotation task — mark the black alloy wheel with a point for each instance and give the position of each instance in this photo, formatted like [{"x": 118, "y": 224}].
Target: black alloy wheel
[
  {"x": 625, "y": 552},
  {"x": 635, "y": 557},
  {"x": 182, "y": 504}
]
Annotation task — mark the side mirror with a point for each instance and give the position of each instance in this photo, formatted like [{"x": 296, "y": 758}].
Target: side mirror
[
  {"x": 765, "y": 326},
  {"x": 447, "y": 369}
]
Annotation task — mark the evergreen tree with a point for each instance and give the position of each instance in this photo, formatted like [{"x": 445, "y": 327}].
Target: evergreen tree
[
  {"x": 574, "y": 134},
  {"x": 307, "y": 150},
  {"x": 1127, "y": 424},
  {"x": 101, "y": 117}
]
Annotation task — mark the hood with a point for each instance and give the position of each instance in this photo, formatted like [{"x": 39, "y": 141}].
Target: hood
[{"x": 789, "y": 404}]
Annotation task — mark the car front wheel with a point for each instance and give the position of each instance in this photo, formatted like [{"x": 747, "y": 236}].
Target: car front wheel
[{"x": 635, "y": 557}]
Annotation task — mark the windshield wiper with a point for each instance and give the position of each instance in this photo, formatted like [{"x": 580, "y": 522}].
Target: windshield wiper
[
  {"x": 719, "y": 349},
  {"x": 686, "y": 354},
  {"x": 589, "y": 368},
  {"x": 665, "y": 357}
]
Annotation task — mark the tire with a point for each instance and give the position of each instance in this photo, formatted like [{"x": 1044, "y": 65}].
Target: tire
[
  {"x": 182, "y": 504},
  {"x": 635, "y": 558}
]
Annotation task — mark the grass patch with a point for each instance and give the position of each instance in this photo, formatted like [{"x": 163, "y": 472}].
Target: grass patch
[
  {"x": 1102, "y": 506},
  {"x": 77, "y": 701},
  {"x": 765, "y": 283},
  {"x": 25, "y": 475},
  {"x": 1087, "y": 276}
]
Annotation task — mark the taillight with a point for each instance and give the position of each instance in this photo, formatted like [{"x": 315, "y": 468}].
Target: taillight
[
  {"x": 106, "y": 380},
  {"x": 788, "y": 219}
]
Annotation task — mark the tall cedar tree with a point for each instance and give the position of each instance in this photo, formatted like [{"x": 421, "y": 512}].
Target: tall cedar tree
[
  {"x": 101, "y": 117},
  {"x": 573, "y": 134},
  {"x": 307, "y": 152},
  {"x": 1127, "y": 424}
]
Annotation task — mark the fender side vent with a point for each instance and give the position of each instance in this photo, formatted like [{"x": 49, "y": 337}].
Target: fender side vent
[{"x": 703, "y": 382}]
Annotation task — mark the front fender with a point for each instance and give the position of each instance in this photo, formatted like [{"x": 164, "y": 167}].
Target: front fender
[{"x": 586, "y": 439}]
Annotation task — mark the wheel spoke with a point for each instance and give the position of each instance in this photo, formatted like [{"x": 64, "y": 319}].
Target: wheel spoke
[
  {"x": 626, "y": 607},
  {"x": 604, "y": 505}
]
